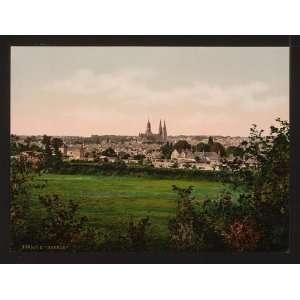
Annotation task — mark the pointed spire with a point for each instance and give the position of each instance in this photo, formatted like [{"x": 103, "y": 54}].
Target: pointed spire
[
  {"x": 160, "y": 130},
  {"x": 148, "y": 129},
  {"x": 165, "y": 134}
]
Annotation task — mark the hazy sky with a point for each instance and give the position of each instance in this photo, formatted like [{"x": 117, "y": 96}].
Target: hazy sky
[{"x": 113, "y": 90}]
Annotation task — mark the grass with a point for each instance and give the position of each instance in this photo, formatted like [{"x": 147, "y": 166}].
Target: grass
[{"x": 107, "y": 200}]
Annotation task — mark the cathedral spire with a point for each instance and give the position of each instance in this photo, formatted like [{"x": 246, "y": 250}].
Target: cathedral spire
[
  {"x": 160, "y": 130},
  {"x": 148, "y": 129},
  {"x": 165, "y": 135}
]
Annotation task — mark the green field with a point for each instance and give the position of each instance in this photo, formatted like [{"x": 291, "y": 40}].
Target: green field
[{"x": 107, "y": 200}]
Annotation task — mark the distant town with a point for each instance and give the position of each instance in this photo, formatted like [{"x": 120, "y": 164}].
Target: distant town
[{"x": 158, "y": 150}]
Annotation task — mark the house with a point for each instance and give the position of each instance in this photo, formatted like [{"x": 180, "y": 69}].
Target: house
[
  {"x": 212, "y": 156},
  {"x": 71, "y": 152},
  {"x": 31, "y": 156},
  {"x": 175, "y": 154},
  {"x": 186, "y": 154}
]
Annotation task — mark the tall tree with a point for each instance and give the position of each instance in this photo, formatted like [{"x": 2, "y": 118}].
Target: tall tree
[
  {"x": 210, "y": 141},
  {"x": 167, "y": 150},
  {"x": 47, "y": 153},
  {"x": 182, "y": 145},
  {"x": 57, "y": 159},
  {"x": 110, "y": 152}
]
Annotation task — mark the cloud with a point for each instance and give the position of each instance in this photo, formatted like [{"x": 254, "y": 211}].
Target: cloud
[
  {"x": 88, "y": 102},
  {"x": 130, "y": 89}
]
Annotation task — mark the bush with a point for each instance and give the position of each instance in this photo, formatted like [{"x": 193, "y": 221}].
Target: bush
[
  {"x": 134, "y": 238},
  {"x": 119, "y": 168},
  {"x": 61, "y": 225},
  {"x": 258, "y": 219}
]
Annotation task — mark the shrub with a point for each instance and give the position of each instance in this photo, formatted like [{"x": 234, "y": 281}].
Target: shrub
[
  {"x": 61, "y": 225},
  {"x": 134, "y": 238},
  {"x": 182, "y": 237}
]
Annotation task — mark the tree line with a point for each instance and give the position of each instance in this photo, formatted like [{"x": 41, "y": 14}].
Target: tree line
[{"x": 210, "y": 146}]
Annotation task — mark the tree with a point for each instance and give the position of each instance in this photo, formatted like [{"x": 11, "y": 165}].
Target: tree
[
  {"x": 218, "y": 148},
  {"x": 63, "y": 226},
  {"x": 20, "y": 185},
  {"x": 57, "y": 159},
  {"x": 264, "y": 172},
  {"x": 167, "y": 150},
  {"x": 202, "y": 147},
  {"x": 123, "y": 155},
  {"x": 139, "y": 157},
  {"x": 182, "y": 145},
  {"x": 210, "y": 141},
  {"x": 182, "y": 237},
  {"x": 28, "y": 140},
  {"x": 175, "y": 165},
  {"x": 110, "y": 152},
  {"x": 254, "y": 220},
  {"x": 211, "y": 146},
  {"x": 14, "y": 147},
  {"x": 47, "y": 153},
  {"x": 137, "y": 234},
  {"x": 235, "y": 151},
  {"x": 52, "y": 157}
]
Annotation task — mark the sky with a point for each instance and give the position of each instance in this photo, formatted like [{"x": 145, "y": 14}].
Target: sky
[{"x": 115, "y": 90}]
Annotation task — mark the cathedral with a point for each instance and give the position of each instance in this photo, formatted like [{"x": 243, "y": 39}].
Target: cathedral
[{"x": 161, "y": 136}]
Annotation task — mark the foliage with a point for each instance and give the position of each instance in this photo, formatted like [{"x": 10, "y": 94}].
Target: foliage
[
  {"x": 57, "y": 158},
  {"x": 182, "y": 145},
  {"x": 211, "y": 146},
  {"x": 123, "y": 155},
  {"x": 121, "y": 168},
  {"x": 167, "y": 150},
  {"x": 137, "y": 233},
  {"x": 202, "y": 147},
  {"x": 17, "y": 147},
  {"x": 110, "y": 152},
  {"x": 258, "y": 219},
  {"x": 51, "y": 156},
  {"x": 264, "y": 171},
  {"x": 235, "y": 151},
  {"x": 133, "y": 239},
  {"x": 61, "y": 225},
  {"x": 139, "y": 157},
  {"x": 243, "y": 235},
  {"x": 20, "y": 185},
  {"x": 210, "y": 141},
  {"x": 182, "y": 226},
  {"x": 218, "y": 148}
]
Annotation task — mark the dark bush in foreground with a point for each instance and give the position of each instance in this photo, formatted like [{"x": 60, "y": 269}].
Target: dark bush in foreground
[
  {"x": 258, "y": 219},
  {"x": 63, "y": 226},
  {"x": 134, "y": 238}
]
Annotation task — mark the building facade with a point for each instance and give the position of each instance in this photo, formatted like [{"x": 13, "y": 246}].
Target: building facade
[{"x": 149, "y": 136}]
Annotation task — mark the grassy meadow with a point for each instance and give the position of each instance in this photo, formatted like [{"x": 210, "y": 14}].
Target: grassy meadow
[{"x": 109, "y": 201}]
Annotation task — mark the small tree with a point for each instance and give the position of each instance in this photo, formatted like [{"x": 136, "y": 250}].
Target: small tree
[
  {"x": 182, "y": 226},
  {"x": 182, "y": 145},
  {"x": 47, "y": 152},
  {"x": 62, "y": 225},
  {"x": 167, "y": 150},
  {"x": 110, "y": 152},
  {"x": 57, "y": 158}
]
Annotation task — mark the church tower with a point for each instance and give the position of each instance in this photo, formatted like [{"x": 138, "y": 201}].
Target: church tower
[
  {"x": 160, "y": 130},
  {"x": 165, "y": 135},
  {"x": 148, "y": 129}
]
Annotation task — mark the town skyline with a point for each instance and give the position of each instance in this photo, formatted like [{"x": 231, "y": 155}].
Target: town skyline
[
  {"x": 139, "y": 131},
  {"x": 82, "y": 91}
]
